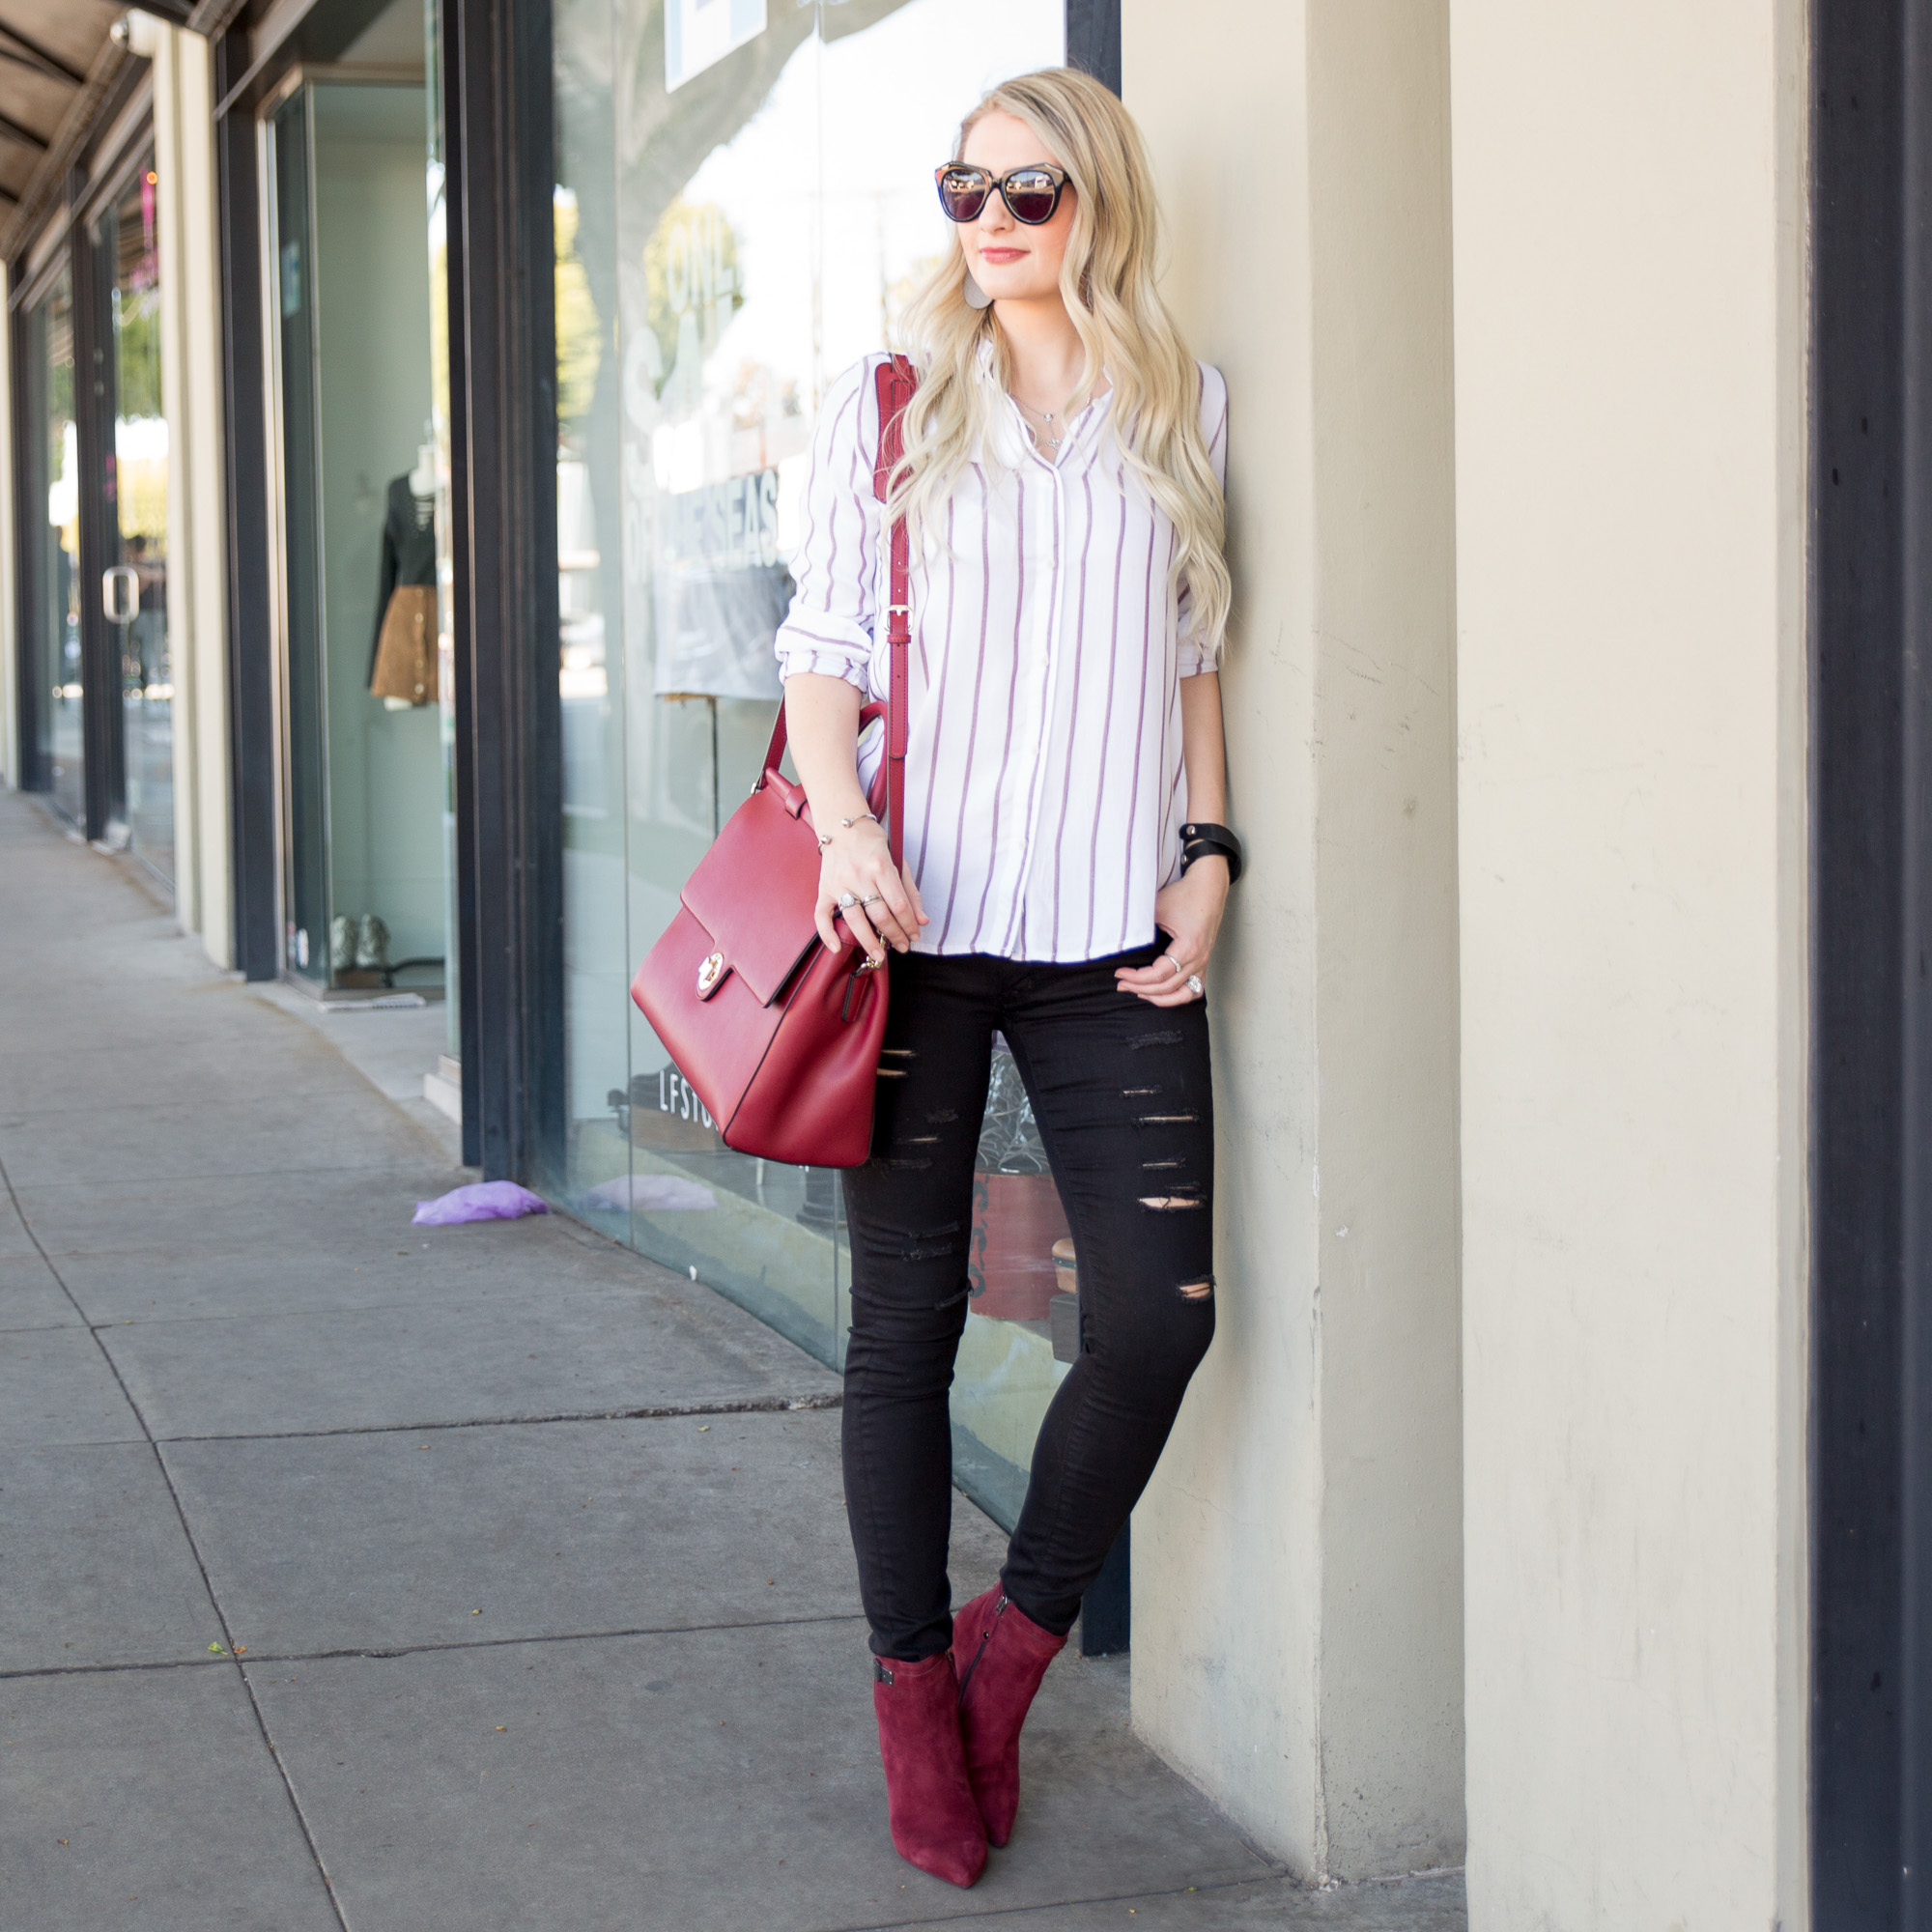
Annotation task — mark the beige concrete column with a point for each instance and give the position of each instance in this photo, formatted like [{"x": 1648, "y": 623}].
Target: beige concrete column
[
  {"x": 1629, "y": 408},
  {"x": 1297, "y": 1580},
  {"x": 191, "y": 398}
]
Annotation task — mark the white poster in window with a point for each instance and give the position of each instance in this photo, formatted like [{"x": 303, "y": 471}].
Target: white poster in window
[{"x": 699, "y": 33}]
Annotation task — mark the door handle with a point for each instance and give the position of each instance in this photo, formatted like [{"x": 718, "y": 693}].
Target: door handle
[{"x": 121, "y": 594}]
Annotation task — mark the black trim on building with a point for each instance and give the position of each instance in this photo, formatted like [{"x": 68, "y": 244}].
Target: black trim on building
[
  {"x": 1871, "y": 966},
  {"x": 252, "y": 721},
  {"x": 29, "y": 408},
  {"x": 499, "y": 182},
  {"x": 463, "y": 969},
  {"x": 99, "y": 538},
  {"x": 261, "y": 56},
  {"x": 1093, "y": 38},
  {"x": 469, "y": 1043}
]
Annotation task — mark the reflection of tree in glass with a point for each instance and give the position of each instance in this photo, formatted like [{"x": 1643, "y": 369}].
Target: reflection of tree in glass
[
  {"x": 662, "y": 138},
  {"x": 60, "y": 368},
  {"x": 759, "y": 396},
  {"x": 138, "y": 334},
  {"x": 140, "y": 434},
  {"x": 580, "y": 334},
  {"x": 691, "y": 276}
]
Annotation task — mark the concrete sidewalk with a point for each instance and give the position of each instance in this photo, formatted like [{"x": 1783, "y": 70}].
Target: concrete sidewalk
[{"x": 357, "y": 1576}]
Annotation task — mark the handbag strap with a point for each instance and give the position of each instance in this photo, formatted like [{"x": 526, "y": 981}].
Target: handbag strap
[
  {"x": 895, "y": 385},
  {"x": 895, "y": 382}
]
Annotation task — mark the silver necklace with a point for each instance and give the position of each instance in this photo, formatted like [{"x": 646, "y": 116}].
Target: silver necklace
[{"x": 1049, "y": 418}]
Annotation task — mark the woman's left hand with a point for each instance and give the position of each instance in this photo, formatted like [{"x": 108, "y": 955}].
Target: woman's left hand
[{"x": 1189, "y": 912}]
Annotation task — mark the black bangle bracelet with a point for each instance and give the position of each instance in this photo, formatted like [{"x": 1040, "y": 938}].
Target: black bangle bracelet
[
  {"x": 1200, "y": 841},
  {"x": 1205, "y": 849}
]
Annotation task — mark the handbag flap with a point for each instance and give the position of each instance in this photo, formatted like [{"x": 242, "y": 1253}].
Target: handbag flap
[{"x": 754, "y": 891}]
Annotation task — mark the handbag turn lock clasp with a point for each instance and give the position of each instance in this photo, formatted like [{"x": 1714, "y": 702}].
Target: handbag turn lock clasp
[{"x": 709, "y": 974}]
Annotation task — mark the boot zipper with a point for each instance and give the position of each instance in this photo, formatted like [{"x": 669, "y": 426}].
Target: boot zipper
[{"x": 985, "y": 1638}]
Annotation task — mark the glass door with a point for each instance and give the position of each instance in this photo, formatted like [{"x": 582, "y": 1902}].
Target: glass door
[
  {"x": 54, "y": 644},
  {"x": 134, "y": 583},
  {"x": 305, "y": 711},
  {"x": 359, "y": 471}
]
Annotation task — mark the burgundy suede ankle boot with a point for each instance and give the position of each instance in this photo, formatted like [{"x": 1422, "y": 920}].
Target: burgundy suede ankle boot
[
  {"x": 1001, "y": 1655},
  {"x": 935, "y": 1822}
]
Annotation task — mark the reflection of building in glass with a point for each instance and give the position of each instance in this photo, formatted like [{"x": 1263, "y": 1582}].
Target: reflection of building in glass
[{"x": 746, "y": 275}]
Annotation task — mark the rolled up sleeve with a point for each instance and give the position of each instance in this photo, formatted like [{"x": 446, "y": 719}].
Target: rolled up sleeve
[
  {"x": 1193, "y": 654},
  {"x": 828, "y": 631}
]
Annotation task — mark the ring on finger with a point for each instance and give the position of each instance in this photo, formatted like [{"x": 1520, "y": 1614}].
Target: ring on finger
[
  {"x": 1195, "y": 987},
  {"x": 847, "y": 900},
  {"x": 1173, "y": 962},
  {"x": 873, "y": 901}
]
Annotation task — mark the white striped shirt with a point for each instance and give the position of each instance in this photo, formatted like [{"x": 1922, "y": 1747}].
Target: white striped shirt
[{"x": 1044, "y": 784}]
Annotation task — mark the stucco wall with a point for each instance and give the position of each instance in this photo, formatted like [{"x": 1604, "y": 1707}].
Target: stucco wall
[
  {"x": 1628, "y": 408},
  {"x": 1297, "y": 1641}
]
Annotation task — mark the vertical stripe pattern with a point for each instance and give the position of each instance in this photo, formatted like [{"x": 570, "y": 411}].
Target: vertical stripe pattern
[{"x": 1044, "y": 782}]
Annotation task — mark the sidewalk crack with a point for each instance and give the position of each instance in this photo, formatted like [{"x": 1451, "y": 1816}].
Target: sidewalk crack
[
  {"x": 657, "y": 1411},
  {"x": 388, "y": 1653}
]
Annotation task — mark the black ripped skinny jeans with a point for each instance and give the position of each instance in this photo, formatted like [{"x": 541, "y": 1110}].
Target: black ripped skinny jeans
[{"x": 1119, "y": 1089}]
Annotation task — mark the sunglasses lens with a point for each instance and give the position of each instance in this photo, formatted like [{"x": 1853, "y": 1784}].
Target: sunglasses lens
[
  {"x": 1032, "y": 196},
  {"x": 962, "y": 193}
]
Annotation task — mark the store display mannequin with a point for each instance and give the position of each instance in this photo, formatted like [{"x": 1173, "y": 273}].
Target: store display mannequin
[{"x": 402, "y": 656}]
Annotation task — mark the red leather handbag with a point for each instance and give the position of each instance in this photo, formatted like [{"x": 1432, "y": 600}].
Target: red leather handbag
[{"x": 779, "y": 1036}]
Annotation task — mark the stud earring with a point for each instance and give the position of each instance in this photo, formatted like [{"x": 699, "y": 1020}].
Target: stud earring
[{"x": 976, "y": 296}]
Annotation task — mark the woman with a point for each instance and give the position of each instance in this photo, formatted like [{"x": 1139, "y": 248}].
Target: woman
[{"x": 1064, "y": 875}]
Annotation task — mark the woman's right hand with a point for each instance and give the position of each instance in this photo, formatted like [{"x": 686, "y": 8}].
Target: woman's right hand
[
  {"x": 886, "y": 910},
  {"x": 822, "y": 714}
]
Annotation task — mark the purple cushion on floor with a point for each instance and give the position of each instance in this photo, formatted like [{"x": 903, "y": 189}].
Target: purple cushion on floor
[{"x": 480, "y": 1201}]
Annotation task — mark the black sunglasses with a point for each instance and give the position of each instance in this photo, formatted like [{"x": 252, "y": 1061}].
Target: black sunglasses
[{"x": 1031, "y": 193}]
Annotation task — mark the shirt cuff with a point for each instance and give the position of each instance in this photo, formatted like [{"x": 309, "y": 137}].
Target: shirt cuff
[
  {"x": 802, "y": 658},
  {"x": 1191, "y": 657}
]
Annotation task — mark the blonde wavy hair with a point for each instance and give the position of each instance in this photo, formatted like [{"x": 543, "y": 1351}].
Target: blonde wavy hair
[{"x": 1107, "y": 282}]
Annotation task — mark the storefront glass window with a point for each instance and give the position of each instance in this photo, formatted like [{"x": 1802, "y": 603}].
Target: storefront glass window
[
  {"x": 140, "y": 458},
  {"x": 446, "y": 565},
  {"x": 744, "y": 203},
  {"x": 56, "y": 486},
  {"x": 360, "y": 473}
]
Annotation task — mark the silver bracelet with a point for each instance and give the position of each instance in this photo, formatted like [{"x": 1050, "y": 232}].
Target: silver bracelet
[{"x": 845, "y": 825}]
